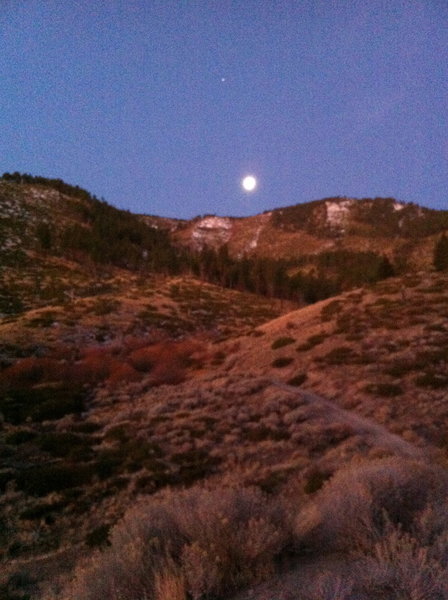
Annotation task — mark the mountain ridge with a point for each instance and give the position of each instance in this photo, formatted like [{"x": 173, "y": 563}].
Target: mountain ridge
[
  {"x": 300, "y": 252},
  {"x": 321, "y": 225}
]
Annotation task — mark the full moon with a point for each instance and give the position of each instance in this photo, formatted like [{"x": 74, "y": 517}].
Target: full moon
[{"x": 249, "y": 183}]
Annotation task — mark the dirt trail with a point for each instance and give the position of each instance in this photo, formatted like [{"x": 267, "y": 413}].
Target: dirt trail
[
  {"x": 369, "y": 429},
  {"x": 337, "y": 570}
]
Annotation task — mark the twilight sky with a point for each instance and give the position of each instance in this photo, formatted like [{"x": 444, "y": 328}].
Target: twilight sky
[{"x": 162, "y": 106}]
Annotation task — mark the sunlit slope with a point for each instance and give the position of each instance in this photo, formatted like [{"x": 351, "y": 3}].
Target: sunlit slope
[{"x": 380, "y": 350}]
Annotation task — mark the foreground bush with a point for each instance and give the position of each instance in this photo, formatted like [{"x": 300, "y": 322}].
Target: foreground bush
[
  {"x": 388, "y": 519},
  {"x": 400, "y": 567},
  {"x": 397, "y": 568},
  {"x": 197, "y": 543},
  {"x": 358, "y": 506},
  {"x": 385, "y": 519}
]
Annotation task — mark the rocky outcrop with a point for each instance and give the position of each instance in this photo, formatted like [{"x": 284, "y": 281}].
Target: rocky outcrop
[{"x": 211, "y": 231}]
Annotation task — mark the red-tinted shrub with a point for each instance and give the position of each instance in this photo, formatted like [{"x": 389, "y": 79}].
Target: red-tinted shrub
[
  {"x": 95, "y": 366},
  {"x": 167, "y": 373},
  {"x": 31, "y": 370},
  {"x": 121, "y": 371},
  {"x": 167, "y": 361},
  {"x": 144, "y": 359}
]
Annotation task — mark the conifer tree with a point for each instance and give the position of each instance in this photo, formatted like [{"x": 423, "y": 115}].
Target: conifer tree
[{"x": 441, "y": 253}]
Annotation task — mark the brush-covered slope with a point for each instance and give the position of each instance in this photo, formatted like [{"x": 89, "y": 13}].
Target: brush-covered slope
[
  {"x": 404, "y": 232},
  {"x": 239, "y": 413},
  {"x": 380, "y": 350},
  {"x": 58, "y": 241}
]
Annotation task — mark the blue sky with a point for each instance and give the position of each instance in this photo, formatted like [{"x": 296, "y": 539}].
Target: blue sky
[{"x": 161, "y": 107}]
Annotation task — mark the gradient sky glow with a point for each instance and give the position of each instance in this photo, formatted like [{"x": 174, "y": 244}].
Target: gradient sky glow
[{"x": 162, "y": 106}]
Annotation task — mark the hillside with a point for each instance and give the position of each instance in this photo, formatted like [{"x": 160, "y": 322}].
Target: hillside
[
  {"x": 165, "y": 436},
  {"x": 404, "y": 232},
  {"x": 381, "y": 351},
  {"x": 233, "y": 420},
  {"x": 57, "y": 240}
]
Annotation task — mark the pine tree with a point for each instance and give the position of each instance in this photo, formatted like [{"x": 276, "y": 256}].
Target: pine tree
[
  {"x": 441, "y": 254},
  {"x": 385, "y": 268}
]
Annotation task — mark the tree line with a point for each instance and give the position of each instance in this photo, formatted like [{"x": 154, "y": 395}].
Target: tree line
[
  {"x": 107, "y": 235},
  {"x": 55, "y": 184},
  {"x": 307, "y": 279}
]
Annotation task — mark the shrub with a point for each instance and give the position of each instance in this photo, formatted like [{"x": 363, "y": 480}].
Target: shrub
[
  {"x": 312, "y": 341},
  {"x": 148, "y": 484},
  {"x": 59, "y": 406},
  {"x": 430, "y": 357},
  {"x": 105, "y": 306},
  {"x": 201, "y": 543},
  {"x": 261, "y": 432},
  {"x": 40, "y": 480},
  {"x": 281, "y": 342},
  {"x": 120, "y": 433},
  {"x": 169, "y": 582},
  {"x": 98, "y": 537},
  {"x": 399, "y": 367},
  {"x": 5, "y": 478},
  {"x": 218, "y": 358},
  {"x": 341, "y": 355},
  {"x": 95, "y": 366},
  {"x": 40, "y": 511},
  {"x": 282, "y": 361},
  {"x": 144, "y": 359},
  {"x": 42, "y": 403},
  {"x": 29, "y": 371},
  {"x": 130, "y": 455},
  {"x": 193, "y": 465},
  {"x": 20, "y": 436},
  {"x": 328, "y": 586},
  {"x": 330, "y": 310},
  {"x": 121, "y": 372},
  {"x": 432, "y": 380},
  {"x": 358, "y": 506},
  {"x": 107, "y": 465},
  {"x": 44, "y": 319},
  {"x": 6, "y": 451},
  {"x": 257, "y": 333},
  {"x": 315, "y": 481},
  {"x": 399, "y": 566},
  {"x": 86, "y": 427},
  {"x": 387, "y": 390},
  {"x": 298, "y": 379},
  {"x": 61, "y": 444},
  {"x": 167, "y": 361}
]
